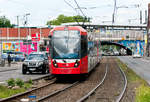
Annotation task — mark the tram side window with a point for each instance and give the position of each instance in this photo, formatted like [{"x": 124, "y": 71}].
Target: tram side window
[{"x": 83, "y": 45}]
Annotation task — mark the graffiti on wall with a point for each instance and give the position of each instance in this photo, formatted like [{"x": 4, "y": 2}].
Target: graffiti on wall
[
  {"x": 28, "y": 48},
  {"x": 19, "y": 46},
  {"x": 136, "y": 46},
  {"x": 10, "y": 46}
]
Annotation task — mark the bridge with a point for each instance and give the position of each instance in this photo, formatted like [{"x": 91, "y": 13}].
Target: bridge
[{"x": 132, "y": 38}]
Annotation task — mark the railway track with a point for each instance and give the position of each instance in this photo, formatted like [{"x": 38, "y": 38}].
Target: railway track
[
  {"x": 125, "y": 86},
  {"x": 17, "y": 97},
  {"x": 106, "y": 98},
  {"x": 56, "y": 92},
  {"x": 43, "y": 92},
  {"x": 77, "y": 91},
  {"x": 94, "y": 89}
]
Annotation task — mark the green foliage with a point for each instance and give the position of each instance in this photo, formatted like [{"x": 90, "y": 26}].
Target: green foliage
[
  {"x": 131, "y": 75},
  {"x": 27, "y": 85},
  {"x": 66, "y": 19},
  {"x": 11, "y": 82},
  {"x": 143, "y": 94},
  {"x": 30, "y": 81},
  {"x": 4, "y": 22},
  {"x": 6, "y": 92},
  {"x": 19, "y": 82},
  {"x": 143, "y": 91}
]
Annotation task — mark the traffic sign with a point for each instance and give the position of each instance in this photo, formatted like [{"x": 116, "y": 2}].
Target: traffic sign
[{"x": 35, "y": 37}]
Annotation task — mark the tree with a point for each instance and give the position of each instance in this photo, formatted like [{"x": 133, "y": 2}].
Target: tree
[
  {"x": 4, "y": 22},
  {"x": 66, "y": 19}
]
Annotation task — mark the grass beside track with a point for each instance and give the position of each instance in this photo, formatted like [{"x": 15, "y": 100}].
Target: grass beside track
[
  {"x": 6, "y": 92},
  {"x": 143, "y": 90}
]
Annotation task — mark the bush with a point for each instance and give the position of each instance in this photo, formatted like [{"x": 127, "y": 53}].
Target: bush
[
  {"x": 30, "y": 81},
  {"x": 11, "y": 82},
  {"x": 19, "y": 82}
]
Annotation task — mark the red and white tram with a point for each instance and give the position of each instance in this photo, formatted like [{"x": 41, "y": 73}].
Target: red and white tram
[{"x": 73, "y": 51}]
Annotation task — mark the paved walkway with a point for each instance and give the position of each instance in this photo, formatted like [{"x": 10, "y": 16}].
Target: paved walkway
[
  {"x": 14, "y": 66},
  {"x": 15, "y": 71},
  {"x": 138, "y": 65}
]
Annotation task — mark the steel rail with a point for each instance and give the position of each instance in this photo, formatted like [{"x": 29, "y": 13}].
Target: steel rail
[
  {"x": 56, "y": 92},
  {"x": 27, "y": 92},
  {"x": 125, "y": 86},
  {"x": 94, "y": 89}
]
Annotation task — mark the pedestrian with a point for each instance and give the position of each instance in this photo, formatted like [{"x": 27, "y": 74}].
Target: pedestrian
[{"x": 9, "y": 60}]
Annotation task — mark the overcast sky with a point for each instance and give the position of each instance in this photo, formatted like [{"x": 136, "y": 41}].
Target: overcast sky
[{"x": 43, "y": 10}]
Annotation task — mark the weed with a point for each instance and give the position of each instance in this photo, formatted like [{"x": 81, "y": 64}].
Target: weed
[
  {"x": 11, "y": 82},
  {"x": 30, "y": 81},
  {"x": 19, "y": 82}
]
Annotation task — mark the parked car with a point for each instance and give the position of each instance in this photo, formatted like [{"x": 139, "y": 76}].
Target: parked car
[
  {"x": 4, "y": 56},
  {"x": 15, "y": 56},
  {"x": 19, "y": 56},
  {"x": 116, "y": 53},
  {"x": 36, "y": 62},
  {"x": 136, "y": 55}
]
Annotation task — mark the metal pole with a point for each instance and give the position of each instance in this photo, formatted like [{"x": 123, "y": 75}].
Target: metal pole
[
  {"x": 145, "y": 16},
  {"x": 26, "y": 23},
  {"x": 18, "y": 21},
  {"x": 140, "y": 17},
  {"x": 18, "y": 31},
  {"x": 148, "y": 32},
  {"x": 1, "y": 42},
  {"x": 113, "y": 15}
]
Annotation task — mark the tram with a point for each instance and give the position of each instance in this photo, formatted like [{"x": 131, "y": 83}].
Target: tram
[{"x": 73, "y": 51}]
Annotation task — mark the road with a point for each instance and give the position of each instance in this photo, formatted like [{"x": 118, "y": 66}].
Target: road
[
  {"x": 139, "y": 65},
  {"x": 16, "y": 73}
]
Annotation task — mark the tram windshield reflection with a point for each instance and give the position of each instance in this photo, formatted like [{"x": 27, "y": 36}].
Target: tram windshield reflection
[{"x": 66, "y": 44}]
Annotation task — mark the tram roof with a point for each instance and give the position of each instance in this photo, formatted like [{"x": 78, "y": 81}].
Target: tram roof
[{"x": 69, "y": 28}]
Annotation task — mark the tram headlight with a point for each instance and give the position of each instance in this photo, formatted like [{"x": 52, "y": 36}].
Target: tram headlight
[
  {"x": 55, "y": 64},
  {"x": 76, "y": 64}
]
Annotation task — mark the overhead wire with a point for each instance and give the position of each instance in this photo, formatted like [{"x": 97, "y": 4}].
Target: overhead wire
[
  {"x": 79, "y": 8},
  {"x": 81, "y": 12},
  {"x": 71, "y": 6},
  {"x": 73, "y": 9}
]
